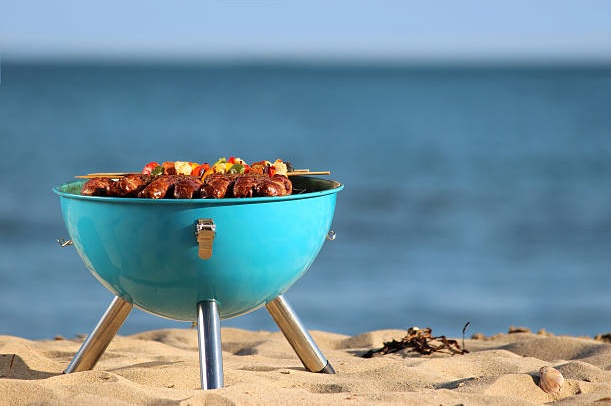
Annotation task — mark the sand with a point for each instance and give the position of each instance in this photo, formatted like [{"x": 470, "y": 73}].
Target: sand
[{"x": 260, "y": 368}]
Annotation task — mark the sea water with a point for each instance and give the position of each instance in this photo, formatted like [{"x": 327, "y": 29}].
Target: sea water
[{"x": 476, "y": 194}]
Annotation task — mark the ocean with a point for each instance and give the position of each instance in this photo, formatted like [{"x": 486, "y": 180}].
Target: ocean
[{"x": 473, "y": 194}]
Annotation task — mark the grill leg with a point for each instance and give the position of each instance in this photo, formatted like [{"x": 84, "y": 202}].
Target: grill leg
[
  {"x": 96, "y": 343},
  {"x": 209, "y": 340},
  {"x": 299, "y": 338}
]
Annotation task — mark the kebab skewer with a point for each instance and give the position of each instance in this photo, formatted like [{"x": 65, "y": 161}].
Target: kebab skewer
[
  {"x": 183, "y": 180},
  {"x": 232, "y": 166}
]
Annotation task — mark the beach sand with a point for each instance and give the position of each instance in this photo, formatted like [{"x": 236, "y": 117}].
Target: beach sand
[{"x": 260, "y": 368}]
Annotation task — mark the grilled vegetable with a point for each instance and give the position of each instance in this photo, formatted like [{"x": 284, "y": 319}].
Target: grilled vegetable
[{"x": 148, "y": 168}]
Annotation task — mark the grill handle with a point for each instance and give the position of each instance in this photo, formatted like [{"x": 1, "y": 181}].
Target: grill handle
[
  {"x": 63, "y": 242},
  {"x": 205, "y": 230}
]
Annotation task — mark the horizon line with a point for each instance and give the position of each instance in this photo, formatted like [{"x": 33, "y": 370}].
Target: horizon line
[{"x": 313, "y": 60}]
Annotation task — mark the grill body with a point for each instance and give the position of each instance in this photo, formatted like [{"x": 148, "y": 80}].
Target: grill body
[{"x": 146, "y": 251}]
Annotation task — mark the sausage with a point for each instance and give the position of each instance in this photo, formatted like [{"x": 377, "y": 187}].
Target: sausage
[
  {"x": 187, "y": 188},
  {"x": 161, "y": 187},
  {"x": 286, "y": 183},
  {"x": 96, "y": 187},
  {"x": 246, "y": 185},
  {"x": 129, "y": 185},
  {"x": 216, "y": 186}
]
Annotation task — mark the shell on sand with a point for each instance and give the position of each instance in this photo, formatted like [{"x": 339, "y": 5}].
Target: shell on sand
[{"x": 550, "y": 380}]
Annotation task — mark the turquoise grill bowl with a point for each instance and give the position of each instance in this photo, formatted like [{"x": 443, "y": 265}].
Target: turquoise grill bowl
[{"x": 146, "y": 251}]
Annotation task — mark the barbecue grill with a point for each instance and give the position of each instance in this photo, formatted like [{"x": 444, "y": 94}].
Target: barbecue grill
[{"x": 200, "y": 260}]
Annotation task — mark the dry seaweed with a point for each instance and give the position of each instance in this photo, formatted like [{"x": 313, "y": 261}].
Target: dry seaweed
[{"x": 420, "y": 341}]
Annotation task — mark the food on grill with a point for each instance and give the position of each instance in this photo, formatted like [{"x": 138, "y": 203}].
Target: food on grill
[
  {"x": 129, "y": 186},
  {"x": 267, "y": 167},
  {"x": 245, "y": 185},
  {"x": 232, "y": 166},
  {"x": 231, "y": 177},
  {"x": 215, "y": 186},
  {"x": 188, "y": 188},
  {"x": 148, "y": 168},
  {"x": 160, "y": 187},
  {"x": 97, "y": 187},
  {"x": 184, "y": 168},
  {"x": 276, "y": 185}
]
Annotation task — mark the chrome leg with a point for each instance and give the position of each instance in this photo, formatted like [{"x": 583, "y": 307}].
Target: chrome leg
[
  {"x": 299, "y": 338},
  {"x": 209, "y": 340},
  {"x": 96, "y": 343}
]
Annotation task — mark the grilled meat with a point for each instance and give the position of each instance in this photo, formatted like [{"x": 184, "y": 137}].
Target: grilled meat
[
  {"x": 216, "y": 186},
  {"x": 285, "y": 182},
  {"x": 129, "y": 185},
  {"x": 161, "y": 187},
  {"x": 97, "y": 187},
  {"x": 246, "y": 185},
  {"x": 187, "y": 188},
  {"x": 268, "y": 187}
]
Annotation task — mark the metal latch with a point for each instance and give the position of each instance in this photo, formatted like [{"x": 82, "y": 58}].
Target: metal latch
[{"x": 205, "y": 230}]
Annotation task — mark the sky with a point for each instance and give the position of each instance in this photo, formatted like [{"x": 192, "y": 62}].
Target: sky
[{"x": 317, "y": 29}]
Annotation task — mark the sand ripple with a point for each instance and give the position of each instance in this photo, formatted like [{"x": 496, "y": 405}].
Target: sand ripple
[{"x": 161, "y": 367}]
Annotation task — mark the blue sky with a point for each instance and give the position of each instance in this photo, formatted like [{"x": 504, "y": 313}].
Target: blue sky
[{"x": 352, "y": 29}]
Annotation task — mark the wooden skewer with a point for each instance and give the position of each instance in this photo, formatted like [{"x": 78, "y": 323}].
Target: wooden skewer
[
  {"x": 103, "y": 175},
  {"x": 307, "y": 172},
  {"x": 121, "y": 174}
]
